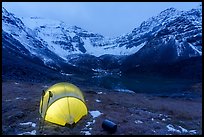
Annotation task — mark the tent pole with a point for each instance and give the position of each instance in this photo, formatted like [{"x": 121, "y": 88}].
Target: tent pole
[
  {"x": 40, "y": 124},
  {"x": 50, "y": 95}
]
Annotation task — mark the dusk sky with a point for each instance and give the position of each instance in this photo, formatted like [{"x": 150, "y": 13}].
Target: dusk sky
[{"x": 107, "y": 18}]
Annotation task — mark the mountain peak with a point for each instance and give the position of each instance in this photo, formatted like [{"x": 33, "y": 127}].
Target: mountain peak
[
  {"x": 163, "y": 16},
  {"x": 169, "y": 10},
  {"x": 76, "y": 28}
]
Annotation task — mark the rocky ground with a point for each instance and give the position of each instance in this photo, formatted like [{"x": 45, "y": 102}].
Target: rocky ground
[{"x": 134, "y": 114}]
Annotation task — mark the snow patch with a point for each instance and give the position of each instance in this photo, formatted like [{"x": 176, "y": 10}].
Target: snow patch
[
  {"x": 47, "y": 60},
  {"x": 28, "y": 123},
  {"x": 125, "y": 90},
  {"x": 183, "y": 129},
  {"x": 138, "y": 122},
  {"x": 89, "y": 123},
  {"x": 28, "y": 133},
  {"x": 152, "y": 119},
  {"x": 172, "y": 129},
  {"x": 99, "y": 93},
  {"x": 66, "y": 74},
  {"x": 179, "y": 48},
  {"x": 111, "y": 48},
  {"x": 95, "y": 113},
  {"x": 163, "y": 119},
  {"x": 33, "y": 125},
  {"x": 17, "y": 98},
  {"x": 72, "y": 34},
  {"x": 97, "y": 100},
  {"x": 186, "y": 131},
  {"x": 193, "y": 131},
  {"x": 86, "y": 132},
  {"x": 194, "y": 48}
]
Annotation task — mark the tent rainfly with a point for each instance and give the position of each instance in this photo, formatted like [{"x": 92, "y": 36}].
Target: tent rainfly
[{"x": 62, "y": 103}]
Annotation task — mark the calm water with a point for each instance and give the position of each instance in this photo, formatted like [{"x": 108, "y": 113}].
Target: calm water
[{"x": 155, "y": 85}]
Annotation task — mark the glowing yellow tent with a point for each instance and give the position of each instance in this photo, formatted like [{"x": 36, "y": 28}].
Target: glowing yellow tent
[{"x": 62, "y": 103}]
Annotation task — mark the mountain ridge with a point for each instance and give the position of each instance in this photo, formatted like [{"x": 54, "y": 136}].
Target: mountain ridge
[{"x": 169, "y": 37}]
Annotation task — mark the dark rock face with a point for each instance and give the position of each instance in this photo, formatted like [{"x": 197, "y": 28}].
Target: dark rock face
[
  {"x": 85, "y": 61},
  {"x": 111, "y": 62}
]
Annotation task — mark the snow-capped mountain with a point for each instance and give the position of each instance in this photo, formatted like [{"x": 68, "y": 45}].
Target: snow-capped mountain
[
  {"x": 13, "y": 26},
  {"x": 20, "y": 43},
  {"x": 170, "y": 25},
  {"x": 60, "y": 38},
  {"x": 64, "y": 40},
  {"x": 169, "y": 37}
]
